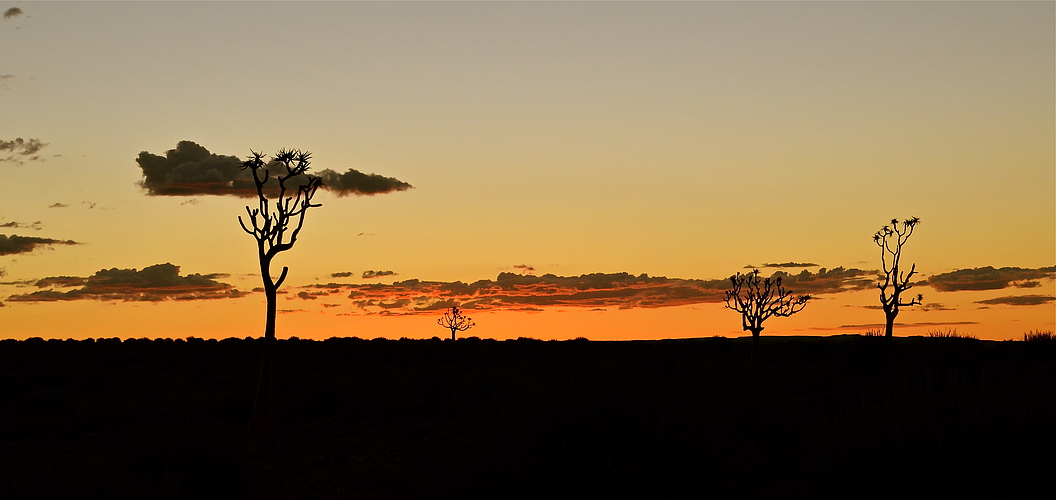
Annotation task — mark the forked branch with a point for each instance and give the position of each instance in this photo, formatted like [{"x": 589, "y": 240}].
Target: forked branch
[{"x": 276, "y": 225}]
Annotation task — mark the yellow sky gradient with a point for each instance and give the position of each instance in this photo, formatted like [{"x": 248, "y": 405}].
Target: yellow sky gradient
[{"x": 684, "y": 140}]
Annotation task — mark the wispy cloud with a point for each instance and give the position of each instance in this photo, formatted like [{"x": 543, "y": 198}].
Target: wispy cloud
[
  {"x": 191, "y": 170},
  {"x": 154, "y": 283},
  {"x": 12, "y": 12},
  {"x": 517, "y": 292},
  {"x": 16, "y": 244},
  {"x": 525, "y": 268},
  {"x": 21, "y": 150},
  {"x": 21, "y": 225},
  {"x": 989, "y": 278},
  {"x": 1018, "y": 300},
  {"x": 371, "y": 274}
]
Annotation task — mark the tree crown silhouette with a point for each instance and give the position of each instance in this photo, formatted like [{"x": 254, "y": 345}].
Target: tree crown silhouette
[
  {"x": 455, "y": 321},
  {"x": 758, "y": 299}
]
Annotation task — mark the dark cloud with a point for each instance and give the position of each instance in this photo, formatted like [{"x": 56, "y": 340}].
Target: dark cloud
[
  {"x": 20, "y": 225},
  {"x": 514, "y": 292},
  {"x": 190, "y": 170},
  {"x": 3, "y": 81},
  {"x": 58, "y": 205},
  {"x": 342, "y": 274},
  {"x": 356, "y": 182},
  {"x": 15, "y": 244},
  {"x": 20, "y": 150},
  {"x": 988, "y": 278},
  {"x": 1018, "y": 300},
  {"x": 376, "y": 274},
  {"x": 12, "y": 12},
  {"x": 154, "y": 283}
]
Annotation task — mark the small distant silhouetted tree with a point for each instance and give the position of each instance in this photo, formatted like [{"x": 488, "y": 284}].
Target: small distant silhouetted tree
[
  {"x": 758, "y": 299},
  {"x": 455, "y": 321},
  {"x": 890, "y": 240},
  {"x": 275, "y": 225}
]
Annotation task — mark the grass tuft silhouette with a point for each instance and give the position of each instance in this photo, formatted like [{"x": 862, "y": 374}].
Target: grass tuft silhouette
[
  {"x": 1039, "y": 336},
  {"x": 950, "y": 333}
]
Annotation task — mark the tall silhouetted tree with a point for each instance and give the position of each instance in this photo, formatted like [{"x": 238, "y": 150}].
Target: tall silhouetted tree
[
  {"x": 894, "y": 278},
  {"x": 455, "y": 321},
  {"x": 757, "y": 299},
  {"x": 275, "y": 225}
]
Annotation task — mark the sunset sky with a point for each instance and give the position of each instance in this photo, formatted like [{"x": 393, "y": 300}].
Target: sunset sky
[{"x": 617, "y": 160}]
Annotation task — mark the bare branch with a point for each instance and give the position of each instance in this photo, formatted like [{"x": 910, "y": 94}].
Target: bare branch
[{"x": 282, "y": 277}]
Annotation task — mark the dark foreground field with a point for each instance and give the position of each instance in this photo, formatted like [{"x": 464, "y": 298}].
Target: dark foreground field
[{"x": 838, "y": 417}]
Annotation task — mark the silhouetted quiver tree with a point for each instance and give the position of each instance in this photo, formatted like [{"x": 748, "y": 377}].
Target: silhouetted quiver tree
[
  {"x": 890, "y": 240},
  {"x": 455, "y": 321},
  {"x": 758, "y": 299},
  {"x": 275, "y": 225}
]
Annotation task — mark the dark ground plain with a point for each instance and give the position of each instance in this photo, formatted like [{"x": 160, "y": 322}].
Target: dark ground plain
[{"x": 837, "y": 417}]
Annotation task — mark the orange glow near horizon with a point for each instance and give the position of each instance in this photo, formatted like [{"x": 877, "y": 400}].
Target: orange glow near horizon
[{"x": 243, "y": 317}]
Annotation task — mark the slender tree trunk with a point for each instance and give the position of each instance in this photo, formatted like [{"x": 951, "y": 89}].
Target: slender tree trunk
[
  {"x": 755, "y": 345},
  {"x": 261, "y": 418},
  {"x": 452, "y": 334}
]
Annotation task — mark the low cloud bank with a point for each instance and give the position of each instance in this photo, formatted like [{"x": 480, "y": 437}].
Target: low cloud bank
[
  {"x": 191, "y": 170},
  {"x": 989, "y": 278},
  {"x": 518, "y": 292},
  {"x": 152, "y": 284}
]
